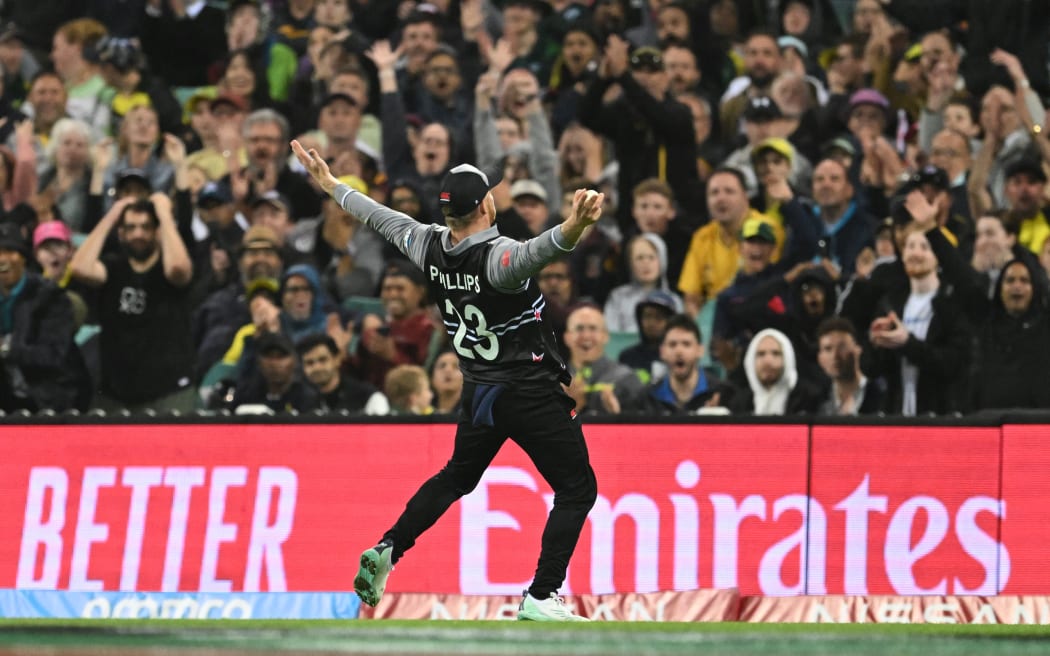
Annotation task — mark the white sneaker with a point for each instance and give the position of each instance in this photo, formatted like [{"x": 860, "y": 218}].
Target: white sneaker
[{"x": 551, "y": 609}]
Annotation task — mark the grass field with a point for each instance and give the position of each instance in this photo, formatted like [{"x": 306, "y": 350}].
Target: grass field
[{"x": 227, "y": 638}]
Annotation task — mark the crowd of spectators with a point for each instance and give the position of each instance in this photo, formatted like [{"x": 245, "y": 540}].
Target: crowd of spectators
[{"x": 813, "y": 206}]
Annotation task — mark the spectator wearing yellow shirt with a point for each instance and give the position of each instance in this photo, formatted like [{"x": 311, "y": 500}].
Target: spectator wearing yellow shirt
[{"x": 714, "y": 251}]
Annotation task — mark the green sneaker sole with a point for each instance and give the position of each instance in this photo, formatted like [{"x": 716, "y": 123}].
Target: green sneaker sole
[{"x": 370, "y": 581}]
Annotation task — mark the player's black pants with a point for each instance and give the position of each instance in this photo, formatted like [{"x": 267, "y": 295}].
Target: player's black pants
[{"x": 539, "y": 421}]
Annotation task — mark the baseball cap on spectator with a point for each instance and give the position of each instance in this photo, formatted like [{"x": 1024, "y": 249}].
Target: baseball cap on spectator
[
  {"x": 12, "y": 239},
  {"x": 199, "y": 96},
  {"x": 1029, "y": 165},
  {"x": 777, "y": 145},
  {"x": 9, "y": 31},
  {"x": 238, "y": 103},
  {"x": 260, "y": 237},
  {"x": 132, "y": 175},
  {"x": 336, "y": 97},
  {"x": 51, "y": 230},
  {"x": 758, "y": 230},
  {"x": 839, "y": 143},
  {"x": 123, "y": 54},
  {"x": 407, "y": 270},
  {"x": 270, "y": 287},
  {"x": 274, "y": 344},
  {"x": 657, "y": 299},
  {"x": 762, "y": 109},
  {"x": 913, "y": 54},
  {"x": 647, "y": 58},
  {"x": 214, "y": 193},
  {"x": 788, "y": 41},
  {"x": 527, "y": 187},
  {"x": 465, "y": 187},
  {"x": 869, "y": 97},
  {"x": 931, "y": 175},
  {"x": 274, "y": 199}
]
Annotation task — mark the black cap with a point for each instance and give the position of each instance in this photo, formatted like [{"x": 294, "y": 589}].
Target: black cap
[
  {"x": 761, "y": 109},
  {"x": 133, "y": 175},
  {"x": 1029, "y": 165},
  {"x": 465, "y": 187},
  {"x": 407, "y": 270},
  {"x": 274, "y": 199},
  {"x": 648, "y": 58},
  {"x": 10, "y": 32},
  {"x": 123, "y": 54},
  {"x": 12, "y": 239},
  {"x": 334, "y": 97},
  {"x": 214, "y": 193},
  {"x": 931, "y": 175},
  {"x": 274, "y": 342}
]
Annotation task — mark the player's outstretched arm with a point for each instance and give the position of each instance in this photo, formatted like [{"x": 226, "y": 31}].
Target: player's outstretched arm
[
  {"x": 399, "y": 229},
  {"x": 511, "y": 264}
]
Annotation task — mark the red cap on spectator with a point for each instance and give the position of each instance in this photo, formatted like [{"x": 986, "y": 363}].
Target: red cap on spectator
[
  {"x": 238, "y": 103},
  {"x": 51, "y": 230}
]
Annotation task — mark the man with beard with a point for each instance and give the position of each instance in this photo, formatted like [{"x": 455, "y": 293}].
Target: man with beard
[
  {"x": 47, "y": 100},
  {"x": 762, "y": 63},
  {"x": 443, "y": 99},
  {"x": 922, "y": 340},
  {"x": 143, "y": 304},
  {"x": 687, "y": 388},
  {"x": 772, "y": 384},
  {"x": 839, "y": 355},
  {"x": 223, "y": 312}
]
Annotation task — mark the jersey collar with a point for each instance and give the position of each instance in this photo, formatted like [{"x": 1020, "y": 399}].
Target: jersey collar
[{"x": 487, "y": 234}]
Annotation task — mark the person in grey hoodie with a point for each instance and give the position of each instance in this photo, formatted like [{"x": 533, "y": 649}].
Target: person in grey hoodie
[{"x": 647, "y": 263}]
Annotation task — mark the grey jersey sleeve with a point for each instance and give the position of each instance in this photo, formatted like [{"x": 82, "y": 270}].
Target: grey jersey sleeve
[
  {"x": 410, "y": 236},
  {"x": 511, "y": 263}
]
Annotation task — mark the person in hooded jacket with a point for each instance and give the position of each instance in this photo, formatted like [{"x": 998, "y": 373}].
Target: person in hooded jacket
[
  {"x": 647, "y": 263},
  {"x": 1013, "y": 360},
  {"x": 652, "y": 314},
  {"x": 773, "y": 385}
]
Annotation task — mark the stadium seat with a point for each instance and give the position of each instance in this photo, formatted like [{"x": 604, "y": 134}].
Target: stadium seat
[
  {"x": 364, "y": 305},
  {"x": 618, "y": 342}
]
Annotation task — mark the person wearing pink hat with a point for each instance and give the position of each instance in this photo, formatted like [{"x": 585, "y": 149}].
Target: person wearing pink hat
[{"x": 53, "y": 249}]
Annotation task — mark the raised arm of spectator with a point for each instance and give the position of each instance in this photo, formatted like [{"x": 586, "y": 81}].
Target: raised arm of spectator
[
  {"x": 397, "y": 154},
  {"x": 487, "y": 147},
  {"x": 178, "y": 268},
  {"x": 175, "y": 152},
  {"x": 86, "y": 264},
  {"x": 977, "y": 185},
  {"x": 592, "y": 112},
  {"x": 1029, "y": 107},
  {"x": 803, "y": 229},
  {"x": 24, "y": 177},
  {"x": 544, "y": 161}
]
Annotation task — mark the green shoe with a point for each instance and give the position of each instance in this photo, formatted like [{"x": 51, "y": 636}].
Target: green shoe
[
  {"x": 370, "y": 581},
  {"x": 551, "y": 609}
]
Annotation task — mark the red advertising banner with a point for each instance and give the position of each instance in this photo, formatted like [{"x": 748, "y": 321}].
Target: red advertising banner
[
  {"x": 271, "y": 508},
  {"x": 1026, "y": 495},
  {"x": 766, "y": 510},
  {"x": 906, "y": 511}
]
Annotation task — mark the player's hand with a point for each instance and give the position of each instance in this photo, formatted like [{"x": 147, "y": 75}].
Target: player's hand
[
  {"x": 316, "y": 166},
  {"x": 587, "y": 206}
]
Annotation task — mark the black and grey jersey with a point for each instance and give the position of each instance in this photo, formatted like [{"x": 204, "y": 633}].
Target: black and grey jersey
[
  {"x": 492, "y": 311},
  {"x": 500, "y": 337}
]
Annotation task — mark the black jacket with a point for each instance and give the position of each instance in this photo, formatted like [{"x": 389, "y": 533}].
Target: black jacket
[
  {"x": 650, "y": 135},
  {"x": 43, "y": 351},
  {"x": 941, "y": 358}
]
